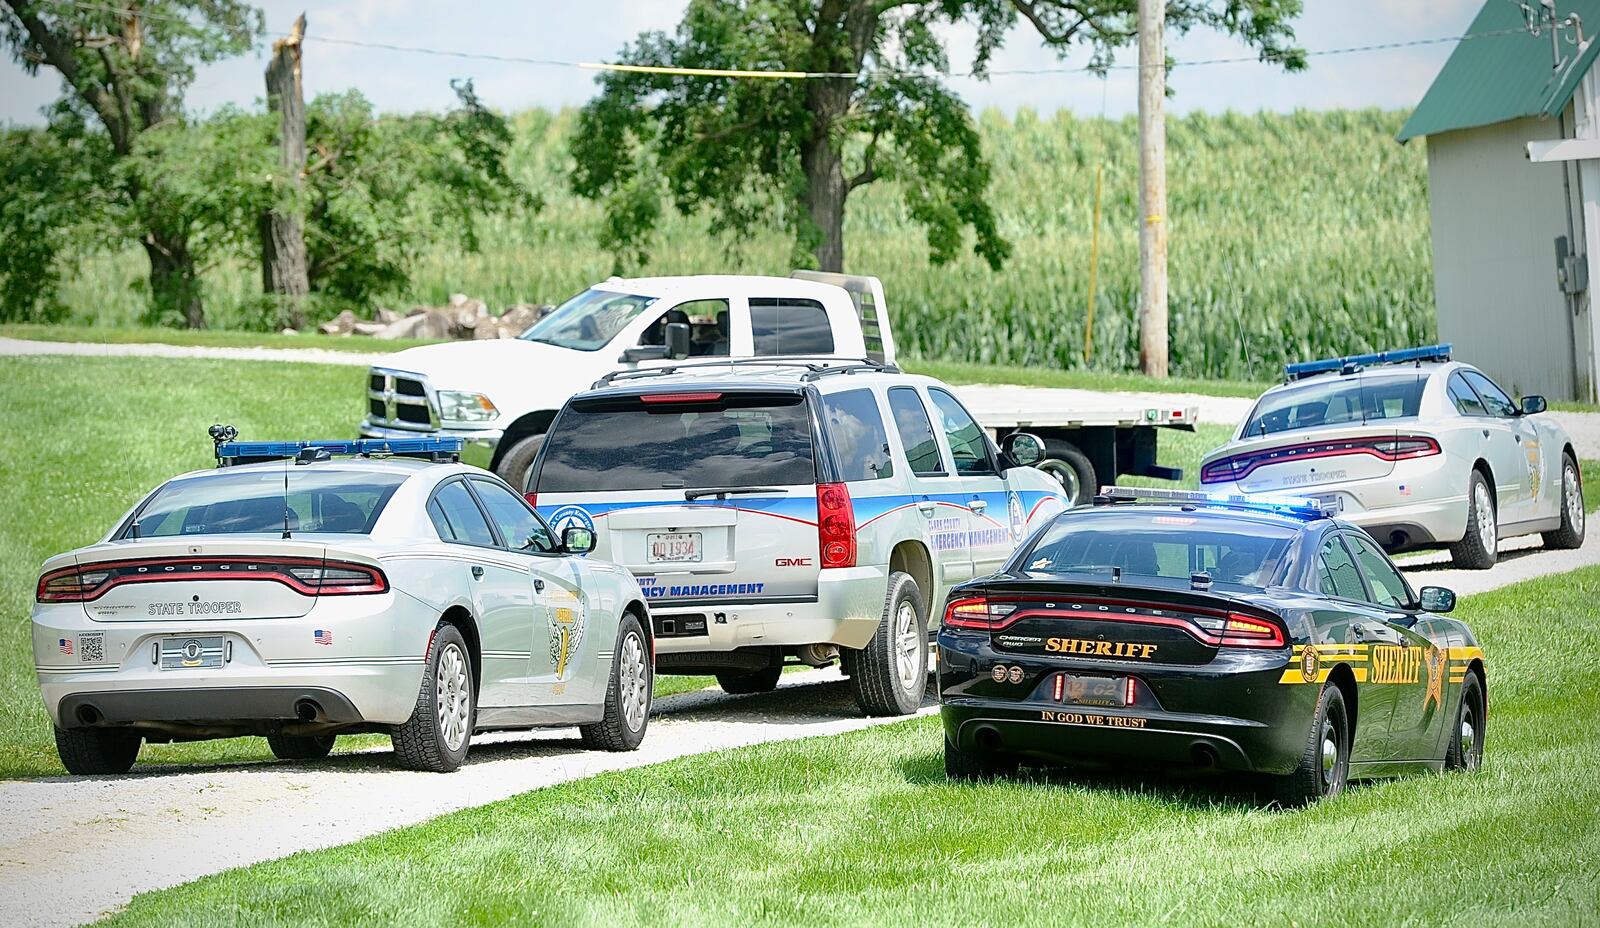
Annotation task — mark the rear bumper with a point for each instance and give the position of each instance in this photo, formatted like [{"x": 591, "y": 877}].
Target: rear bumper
[
  {"x": 845, "y": 612},
  {"x": 477, "y": 445}
]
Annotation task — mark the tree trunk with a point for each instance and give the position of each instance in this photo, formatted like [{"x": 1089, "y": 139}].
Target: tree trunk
[
  {"x": 284, "y": 270},
  {"x": 825, "y": 195},
  {"x": 174, "y": 284}
]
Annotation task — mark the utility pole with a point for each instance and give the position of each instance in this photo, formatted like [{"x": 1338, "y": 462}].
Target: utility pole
[
  {"x": 1152, "y": 188},
  {"x": 285, "y": 271}
]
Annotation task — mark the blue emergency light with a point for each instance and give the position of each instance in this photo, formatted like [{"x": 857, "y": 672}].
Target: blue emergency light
[
  {"x": 1299, "y": 507},
  {"x": 250, "y": 452},
  {"x": 1355, "y": 362}
]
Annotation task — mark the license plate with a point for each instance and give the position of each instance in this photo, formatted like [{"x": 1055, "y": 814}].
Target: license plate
[
  {"x": 1077, "y": 690},
  {"x": 666, "y": 547},
  {"x": 191, "y": 653}
]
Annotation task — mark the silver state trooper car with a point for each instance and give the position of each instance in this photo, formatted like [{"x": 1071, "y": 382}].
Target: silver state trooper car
[
  {"x": 791, "y": 510},
  {"x": 1419, "y": 450},
  {"x": 300, "y": 596}
]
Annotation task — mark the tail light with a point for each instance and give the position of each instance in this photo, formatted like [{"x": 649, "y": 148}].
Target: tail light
[
  {"x": 706, "y": 397},
  {"x": 1398, "y": 448},
  {"x": 340, "y": 578},
  {"x": 307, "y": 576},
  {"x": 836, "y": 525},
  {"x": 977, "y": 612},
  {"x": 532, "y": 498},
  {"x": 1243, "y": 631}
]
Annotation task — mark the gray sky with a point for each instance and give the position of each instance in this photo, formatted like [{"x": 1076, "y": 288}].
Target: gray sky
[{"x": 596, "y": 29}]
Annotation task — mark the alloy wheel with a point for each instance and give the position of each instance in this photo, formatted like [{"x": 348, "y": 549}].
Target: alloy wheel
[
  {"x": 906, "y": 644},
  {"x": 1572, "y": 496},
  {"x": 633, "y": 681},
  {"x": 1487, "y": 533},
  {"x": 1471, "y": 757},
  {"x": 452, "y": 696}
]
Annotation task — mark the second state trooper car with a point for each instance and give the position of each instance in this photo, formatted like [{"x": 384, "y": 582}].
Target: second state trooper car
[
  {"x": 298, "y": 596},
  {"x": 790, "y": 509},
  {"x": 1208, "y": 631},
  {"x": 1417, "y": 449}
]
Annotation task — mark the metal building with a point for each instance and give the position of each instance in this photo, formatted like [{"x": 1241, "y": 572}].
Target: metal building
[{"x": 1513, "y": 132}]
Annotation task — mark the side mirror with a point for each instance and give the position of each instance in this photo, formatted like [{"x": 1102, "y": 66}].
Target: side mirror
[
  {"x": 1025, "y": 448},
  {"x": 678, "y": 340},
  {"x": 1437, "y": 599},
  {"x": 1533, "y": 405},
  {"x": 643, "y": 353},
  {"x": 575, "y": 539}
]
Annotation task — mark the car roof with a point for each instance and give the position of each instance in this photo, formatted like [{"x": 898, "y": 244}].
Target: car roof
[{"x": 724, "y": 285}]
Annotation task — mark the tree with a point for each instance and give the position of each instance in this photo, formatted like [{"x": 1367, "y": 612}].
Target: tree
[
  {"x": 125, "y": 65},
  {"x": 283, "y": 238},
  {"x": 50, "y": 204},
  {"x": 734, "y": 145}
]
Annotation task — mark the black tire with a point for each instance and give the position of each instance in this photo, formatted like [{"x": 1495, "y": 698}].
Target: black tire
[
  {"x": 1465, "y": 750},
  {"x": 518, "y": 460},
  {"x": 976, "y": 765},
  {"x": 97, "y": 751},
  {"x": 1473, "y": 551},
  {"x": 760, "y": 681},
  {"x": 1315, "y": 778},
  {"x": 1570, "y": 534},
  {"x": 300, "y": 747},
  {"x": 622, "y": 729},
  {"x": 881, "y": 683},
  {"x": 422, "y": 741},
  {"x": 1072, "y": 469}
]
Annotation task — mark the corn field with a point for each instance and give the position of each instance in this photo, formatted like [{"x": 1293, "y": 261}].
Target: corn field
[{"x": 1291, "y": 236}]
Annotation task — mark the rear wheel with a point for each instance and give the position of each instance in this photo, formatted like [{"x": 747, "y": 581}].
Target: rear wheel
[
  {"x": 300, "y": 747},
  {"x": 435, "y": 737},
  {"x": 761, "y": 681},
  {"x": 1071, "y": 468},
  {"x": 891, "y": 672},
  {"x": 1570, "y": 534},
  {"x": 1465, "y": 751},
  {"x": 1324, "y": 766},
  {"x": 976, "y": 765},
  {"x": 97, "y": 751},
  {"x": 1479, "y": 548},
  {"x": 518, "y": 460},
  {"x": 628, "y": 693}
]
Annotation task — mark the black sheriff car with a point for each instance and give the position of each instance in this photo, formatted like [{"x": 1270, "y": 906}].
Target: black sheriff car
[{"x": 1177, "y": 628}]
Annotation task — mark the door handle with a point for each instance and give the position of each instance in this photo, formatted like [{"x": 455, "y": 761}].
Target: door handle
[
  {"x": 538, "y": 585},
  {"x": 1359, "y": 632},
  {"x": 477, "y": 572},
  {"x": 927, "y": 507},
  {"x": 978, "y": 505},
  {"x": 1485, "y": 433}
]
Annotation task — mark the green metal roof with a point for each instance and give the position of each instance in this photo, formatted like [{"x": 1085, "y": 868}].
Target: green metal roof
[{"x": 1506, "y": 75}]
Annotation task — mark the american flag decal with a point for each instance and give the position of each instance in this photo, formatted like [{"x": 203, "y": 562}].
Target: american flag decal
[
  {"x": 65, "y": 644},
  {"x": 323, "y": 636}
]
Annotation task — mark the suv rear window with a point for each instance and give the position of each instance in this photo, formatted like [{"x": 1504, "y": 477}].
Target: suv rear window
[
  {"x": 738, "y": 440},
  {"x": 1346, "y": 401},
  {"x": 1161, "y": 545}
]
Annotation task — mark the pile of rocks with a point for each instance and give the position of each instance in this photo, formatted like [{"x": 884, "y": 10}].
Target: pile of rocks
[{"x": 462, "y": 318}]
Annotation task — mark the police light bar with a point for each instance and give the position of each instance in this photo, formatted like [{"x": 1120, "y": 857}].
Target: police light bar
[
  {"x": 1304, "y": 508},
  {"x": 1356, "y": 361},
  {"x": 251, "y": 452}
]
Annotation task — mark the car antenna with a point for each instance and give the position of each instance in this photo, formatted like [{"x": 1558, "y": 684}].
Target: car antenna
[{"x": 286, "y": 466}]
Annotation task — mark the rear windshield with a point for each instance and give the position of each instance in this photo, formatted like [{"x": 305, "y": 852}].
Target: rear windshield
[
  {"x": 1346, "y": 401},
  {"x": 736, "y": 441},
  {"x": 343, "y": 502},
  {"x": 1173, "y": 545}
]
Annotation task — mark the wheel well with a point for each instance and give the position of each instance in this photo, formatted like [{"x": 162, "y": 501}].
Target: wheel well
[
  {"x": 1476, "y": 669},
  {"x": 1482, "y": 467},
  {"x": 533, "y": 423},
  {"x": 1345, "y": 679},
  {"x": 638, "y": 610},
  {"x": 912, "y": 558},
  {"x": 462, "y": 620}
]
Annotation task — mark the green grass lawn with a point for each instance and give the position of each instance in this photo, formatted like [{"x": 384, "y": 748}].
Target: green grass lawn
[
  {"x": 205, "y": 338},
  {"x": 864, "y": 829}
]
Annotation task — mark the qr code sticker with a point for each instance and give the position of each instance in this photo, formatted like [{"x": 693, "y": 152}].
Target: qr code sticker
[{"x": 92, "y": 648}]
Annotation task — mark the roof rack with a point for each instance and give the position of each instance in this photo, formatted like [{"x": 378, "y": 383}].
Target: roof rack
[
  {"x": 1303, "y": 508},
  {"x": 438, "y": 450},
  {"x": 1351, "y": 364},
  {"x": 814, "y": 366}
]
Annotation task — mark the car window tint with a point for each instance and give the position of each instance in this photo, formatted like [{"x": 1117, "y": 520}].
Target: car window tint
[
  {"x": 1493, "y": 397},
  {"x": 1467, "y": 402},
  {"x": 1387, "y": 587},
  {"x": 860, "y": 441},
  {"x": 326, "y": 498},
  {"x": 518, "y": 525},
  {"x": 1171, "y": 546},
  {"x": 967, "y": 443},
  {"x": 1337, "y": 574},
  {"x": 916, "y": 432},
  {"x": 464, "y": 519},
  {"x": 789, "y": 326},
  {"x": 1355, "y": 399}
]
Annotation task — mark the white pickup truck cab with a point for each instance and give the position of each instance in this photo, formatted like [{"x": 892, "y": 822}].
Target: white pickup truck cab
[{"x": 500, "y": 396}]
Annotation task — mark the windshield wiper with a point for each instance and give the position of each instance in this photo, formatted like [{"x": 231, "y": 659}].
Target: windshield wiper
[{"x": 723, "y": 492}]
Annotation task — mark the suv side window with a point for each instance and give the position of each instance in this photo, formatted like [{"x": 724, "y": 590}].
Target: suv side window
[
  {"x": 968, "y": 445},
  {"x": 1494, "y": 398},
  {"x": 916, "y": 432},
  {"x": 789, "y": 326},
  {"x": 457, "y": 517},
  {"x": 860, "y": 443},
  {"x": 1467, "y": 402},
  {"x": 1337, "y": 574},
  {"x": 1388, "y": 589},
  {"x": 519, "y": 526}
]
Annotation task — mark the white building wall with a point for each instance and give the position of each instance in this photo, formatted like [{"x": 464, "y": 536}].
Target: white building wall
[{"x": 1495, "y": 220}]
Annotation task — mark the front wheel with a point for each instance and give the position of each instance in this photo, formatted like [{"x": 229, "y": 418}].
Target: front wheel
[
  {"x": 1465, "y": 751},
  {"x": 628, "y": 693},
  {"x": 435, "y": 737},
  {"x": 518, "y": 460},
  {"x": 891, "y": 672},
  {"x": 1570, "y": 534},
  {"x": 300, "y": 747},
  {"x": 1479, "y": 548},
  {"x": 97, "y": 751},
  {"x": 1324, "y": 766}
]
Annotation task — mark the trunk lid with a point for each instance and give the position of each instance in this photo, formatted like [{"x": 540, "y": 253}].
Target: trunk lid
[{"x": 1288, "y": 462}]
